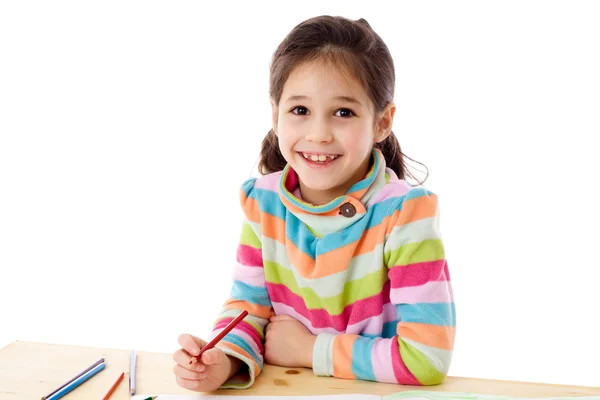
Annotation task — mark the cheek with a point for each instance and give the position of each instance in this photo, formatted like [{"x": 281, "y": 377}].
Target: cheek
[
  {"x": 288, "y": 133},
  {"x": 356, "y": 136}
]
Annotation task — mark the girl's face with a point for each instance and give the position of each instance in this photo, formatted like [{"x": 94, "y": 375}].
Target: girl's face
[{"x": 326, "y": 126}]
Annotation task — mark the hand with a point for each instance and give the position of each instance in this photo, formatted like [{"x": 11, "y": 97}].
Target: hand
[
  {"x": 209, "y": 373},
  {"x": 288, "y": 343}
]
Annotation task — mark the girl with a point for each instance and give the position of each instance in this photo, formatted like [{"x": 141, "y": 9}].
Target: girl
[{"x": 340, "y": 263}]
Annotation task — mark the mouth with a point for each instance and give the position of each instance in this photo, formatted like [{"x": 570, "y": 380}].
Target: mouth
[{"x": 319, "y": 158}]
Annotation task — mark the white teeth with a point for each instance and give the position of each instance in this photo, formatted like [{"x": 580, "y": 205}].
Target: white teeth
[{"x": 319, "y": 157}]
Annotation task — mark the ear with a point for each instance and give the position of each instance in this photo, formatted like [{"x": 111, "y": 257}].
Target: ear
[
  {"x": 274, "y": 116},
  {"x": 384, "y": 125}
]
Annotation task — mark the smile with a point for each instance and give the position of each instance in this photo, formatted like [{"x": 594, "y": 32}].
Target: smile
[{"x": 320, "y": 157}]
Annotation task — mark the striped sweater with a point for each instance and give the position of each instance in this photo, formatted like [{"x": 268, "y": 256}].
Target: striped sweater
[{"x": 372, "y": 284}]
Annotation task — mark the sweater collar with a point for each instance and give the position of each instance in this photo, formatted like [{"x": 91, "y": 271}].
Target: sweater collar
[{"x": 341, "y": 211}]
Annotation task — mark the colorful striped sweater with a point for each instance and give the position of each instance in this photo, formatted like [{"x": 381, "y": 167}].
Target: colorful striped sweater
[{"x": 372, "y": 284}]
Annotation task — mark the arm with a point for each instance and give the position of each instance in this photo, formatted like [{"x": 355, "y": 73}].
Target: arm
[
  {"x": 420, "y": 290},
  {"x": 248, "y": 292}
]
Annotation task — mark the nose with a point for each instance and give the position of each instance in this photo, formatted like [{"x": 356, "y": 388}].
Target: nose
[{"x": 319, "y": 132}]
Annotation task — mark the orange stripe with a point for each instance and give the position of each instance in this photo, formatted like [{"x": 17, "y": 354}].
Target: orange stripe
[
  {"x": 342, "y": 356},
  {"x": 244, "y": 353},
  {"x": 303, "y": 263},
  {"x": 251, "y": 208},
  {"x": 254, "y": 309},
  {"x": 416, "y": 209},
  {"x": 273, "y": 227},
  {"x": 441, "y": 337}
]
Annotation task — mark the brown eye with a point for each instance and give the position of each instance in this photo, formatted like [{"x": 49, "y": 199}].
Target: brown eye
[
  {"x": 300, "y": 110},
  {"x": 344, "y": 113}
]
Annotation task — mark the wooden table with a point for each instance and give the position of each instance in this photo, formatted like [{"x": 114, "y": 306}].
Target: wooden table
[{"x": 30, "y": 370}]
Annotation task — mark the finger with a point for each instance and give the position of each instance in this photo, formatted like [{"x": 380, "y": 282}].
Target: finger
[
  {"x": 185, "y": 373},
  {"x": 183, "y": 358},
  {"x": 213, "y": 357},
  {"x": 280, "y": 317},
  {"x": 189, "y": 384},
  {"x": 190, "y": 343}
]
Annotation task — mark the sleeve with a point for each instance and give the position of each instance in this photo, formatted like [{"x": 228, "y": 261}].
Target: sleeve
[
  {"x": 248, "y": 292},
  {"x": 419, "y": 289}
]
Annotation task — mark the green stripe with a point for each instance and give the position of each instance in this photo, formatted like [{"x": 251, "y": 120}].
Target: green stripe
[
  {"x": 426, "y": 250},
  {"x": 419, "y": 365},
  {"x": 367, "y": 286},
  {"x": 248, "y": 237}
]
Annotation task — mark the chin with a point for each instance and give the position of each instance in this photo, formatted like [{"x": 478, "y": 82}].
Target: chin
[{"x": 319, "y": 184}]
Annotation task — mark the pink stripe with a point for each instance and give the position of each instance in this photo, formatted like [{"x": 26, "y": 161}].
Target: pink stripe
[
  {"x": 320, "y": 318},
  {"x": 374, "y": 325},
  {"x": 382, "y": 360},
  {"x": 249, "y": 275},
  {"x": 389, "y": 311},
  {"x": 244, "y": 336},
  {"x": 403, "y": 375},
  {"x": 419, "y": 273},
  {"x": 242, "y": 326},
  {"x": 430, "y": 292},
  {"x": 249, "y": 256},
  {"x": 390, "y": 190},
  {"x": 268, "y": 182},
  {"x": 281, "y": 308}
]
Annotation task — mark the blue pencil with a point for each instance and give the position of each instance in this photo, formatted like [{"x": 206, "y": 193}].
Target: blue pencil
[{"x": 77, "y": 382}]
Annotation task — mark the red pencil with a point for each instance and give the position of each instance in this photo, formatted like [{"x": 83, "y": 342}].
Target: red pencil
[
  {"x": 217, "y": 338},
  {"x": 113, "y": 387}
]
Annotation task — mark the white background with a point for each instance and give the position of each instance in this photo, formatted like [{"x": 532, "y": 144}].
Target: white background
[{"x": 127, "y": 128}]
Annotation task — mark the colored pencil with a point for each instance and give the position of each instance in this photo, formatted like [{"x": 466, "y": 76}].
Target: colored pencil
[
  {"x": 114, "y": 386},
  {"x": 132, "y": 367},
  {"x": 100, "y": 361},
  {"x": 83, "y": 378},
  {"x": 220, "y": 336}
]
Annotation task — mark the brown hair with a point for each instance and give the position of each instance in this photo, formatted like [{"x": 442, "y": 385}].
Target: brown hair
[{"x": 353, "y": 44}]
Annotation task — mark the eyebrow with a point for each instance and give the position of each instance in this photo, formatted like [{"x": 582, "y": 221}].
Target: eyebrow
[{"x": 343, "y": 98}]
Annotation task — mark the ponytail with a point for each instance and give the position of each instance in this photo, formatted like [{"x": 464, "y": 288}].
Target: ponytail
[
  {"x": 271, "y": 159},
  {"x": 395, "y": 159}
]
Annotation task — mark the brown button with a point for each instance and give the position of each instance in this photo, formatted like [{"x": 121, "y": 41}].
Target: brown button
[{"x": 348, "y": 210}]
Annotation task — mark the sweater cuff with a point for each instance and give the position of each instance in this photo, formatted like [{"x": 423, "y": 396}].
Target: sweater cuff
[
  {"x": 244, "y": 378},
  {"x": 323, "y": 355}
]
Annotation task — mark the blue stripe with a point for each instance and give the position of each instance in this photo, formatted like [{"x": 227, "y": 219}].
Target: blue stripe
[
  {"x": 252, "y": 294},
  {"x": 370, "y": 336},
  {"x": 269, "y": 202},
  {"x": 301, "y": 236},
  {"x": 238, "y": 341},
  {"x": 248, "y": 186},
  {"x": 362, "y": 353},
  {"x": 441, "y": 314},
  {"x": 415, "y": 192},
  {"x": 389, "y": 329}
]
